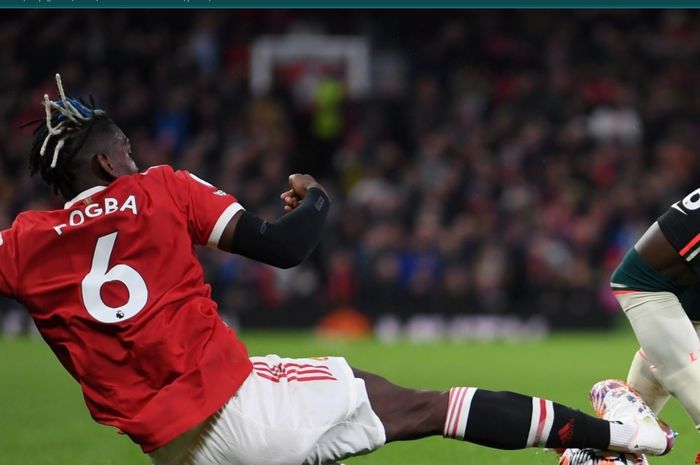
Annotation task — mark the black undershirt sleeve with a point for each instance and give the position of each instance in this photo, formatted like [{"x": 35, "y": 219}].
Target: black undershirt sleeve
[
  {"x": 681, "y": 225},
  {"x": 286, "y": 242}
]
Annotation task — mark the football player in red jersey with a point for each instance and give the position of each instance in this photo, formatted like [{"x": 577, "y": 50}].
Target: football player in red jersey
[{"x": 115, "y": 288}]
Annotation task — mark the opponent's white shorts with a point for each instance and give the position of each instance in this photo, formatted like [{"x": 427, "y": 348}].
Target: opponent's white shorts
[{"x": 288, "y": 412}]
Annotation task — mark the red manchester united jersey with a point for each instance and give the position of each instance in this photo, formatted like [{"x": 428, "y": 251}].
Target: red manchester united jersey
[{"x": 115, "y": 288}]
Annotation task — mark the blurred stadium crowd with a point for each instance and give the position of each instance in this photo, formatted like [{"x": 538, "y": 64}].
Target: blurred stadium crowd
[{"x": 501, "y": 164}]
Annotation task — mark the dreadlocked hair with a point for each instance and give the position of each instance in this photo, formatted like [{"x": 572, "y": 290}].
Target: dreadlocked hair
[{"x": 59, "y": 137}]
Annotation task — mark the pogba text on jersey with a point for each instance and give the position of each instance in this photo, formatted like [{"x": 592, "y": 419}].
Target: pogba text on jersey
[{"x": 89, "y": 210}]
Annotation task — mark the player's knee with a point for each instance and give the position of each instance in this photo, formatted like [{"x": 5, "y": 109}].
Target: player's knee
[{"x": 684, "y": 384}]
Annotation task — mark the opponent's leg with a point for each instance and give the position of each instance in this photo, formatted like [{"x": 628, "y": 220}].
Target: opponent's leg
[
  {"x": 503, "y": 420},
  {"x": 669, "y": 341},
  {"x": 642, "y": 378}
]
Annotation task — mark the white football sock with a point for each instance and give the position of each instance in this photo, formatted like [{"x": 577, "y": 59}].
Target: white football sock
[
  {"x": 642, "y": 378},
  {"x": 621, "y": 434},
  {"x": 669, "y": 341}
]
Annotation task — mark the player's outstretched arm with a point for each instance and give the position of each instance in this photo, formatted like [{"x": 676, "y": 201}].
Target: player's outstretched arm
[{"x": 286, "y": 242}]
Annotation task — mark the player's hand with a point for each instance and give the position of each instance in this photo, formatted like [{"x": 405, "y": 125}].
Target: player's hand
[{"x": 300, "y": 184}]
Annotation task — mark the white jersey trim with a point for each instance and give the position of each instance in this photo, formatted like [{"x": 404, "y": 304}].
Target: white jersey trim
[
  {"x": 200, "y": 180},
  {"x": 693, "y": 255},
  {"x": 144, "y": 173},
  {"x": 221, "y": 223},
  {"x": 83, "y": 195}
]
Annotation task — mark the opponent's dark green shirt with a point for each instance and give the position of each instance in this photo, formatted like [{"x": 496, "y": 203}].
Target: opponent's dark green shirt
[{"x": 680, "y": 224}]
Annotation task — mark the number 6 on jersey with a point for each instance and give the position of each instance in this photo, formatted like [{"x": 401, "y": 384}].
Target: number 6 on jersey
[{"x": 100, "y": 275}]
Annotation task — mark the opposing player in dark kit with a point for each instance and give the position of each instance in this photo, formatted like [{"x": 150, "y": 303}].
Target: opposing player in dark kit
[
  {"x": 115, "y": 288},
  {"x": 657, "y": 287}
]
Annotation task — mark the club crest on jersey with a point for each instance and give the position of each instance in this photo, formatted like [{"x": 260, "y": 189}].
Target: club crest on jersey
[{"x": 92, "y": 209}]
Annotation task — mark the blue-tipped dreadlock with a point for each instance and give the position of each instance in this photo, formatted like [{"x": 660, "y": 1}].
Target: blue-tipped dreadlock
[
  {"x": 68, "y": 125},
  {"x": 84, "y": 111}
]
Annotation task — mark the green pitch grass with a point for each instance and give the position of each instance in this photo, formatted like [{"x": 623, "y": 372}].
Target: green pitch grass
[{"x": 43, "y": 420}]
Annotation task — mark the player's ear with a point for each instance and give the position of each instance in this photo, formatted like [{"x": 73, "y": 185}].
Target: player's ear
[{"x": 103, "y": 167}]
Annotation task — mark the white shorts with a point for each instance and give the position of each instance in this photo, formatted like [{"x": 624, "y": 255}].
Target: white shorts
[{"x": 288, "y": 412}]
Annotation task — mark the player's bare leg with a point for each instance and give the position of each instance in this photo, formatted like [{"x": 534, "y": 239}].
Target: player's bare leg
[
  {"x": 502, "y": 420},
  {"x": 405, "y": 413}
]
